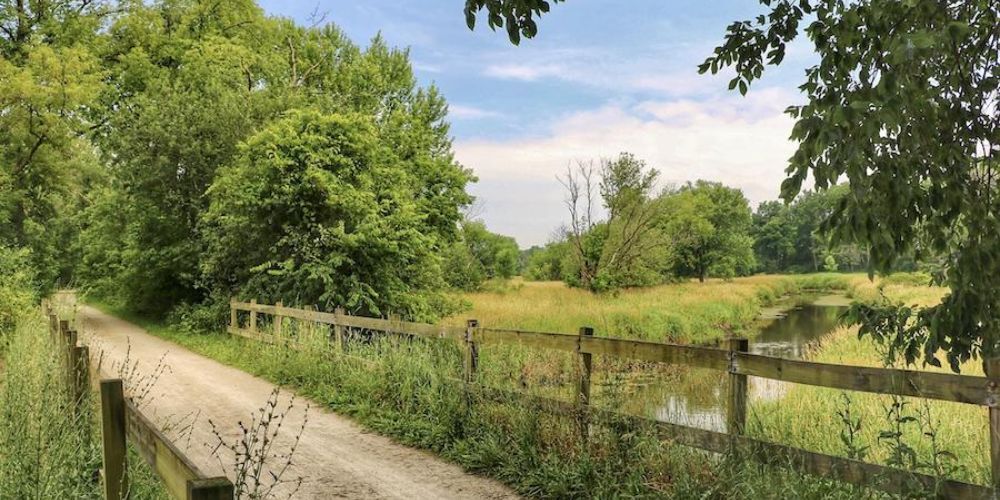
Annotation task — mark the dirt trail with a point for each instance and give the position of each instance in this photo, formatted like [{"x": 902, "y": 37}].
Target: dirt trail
[{"x": 337, "y": 458}]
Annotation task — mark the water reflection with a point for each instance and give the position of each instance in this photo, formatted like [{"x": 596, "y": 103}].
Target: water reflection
[{"x": 698, "y": 397}]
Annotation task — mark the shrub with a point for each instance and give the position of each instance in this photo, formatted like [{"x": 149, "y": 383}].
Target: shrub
[{"x": 16, "y": 292}]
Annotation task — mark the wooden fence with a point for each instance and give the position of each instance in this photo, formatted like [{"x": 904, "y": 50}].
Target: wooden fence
[
  {"x": 733, "y": 359},
  {"x": 121, "y": 420}
]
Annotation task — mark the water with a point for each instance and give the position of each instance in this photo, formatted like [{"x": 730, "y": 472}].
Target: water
[{"x": 697, "y": 398}]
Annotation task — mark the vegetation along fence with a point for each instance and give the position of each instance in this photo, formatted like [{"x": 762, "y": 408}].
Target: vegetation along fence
[
  {"x": 734, "y": 359},
  {"x": 122, "y": 420}
]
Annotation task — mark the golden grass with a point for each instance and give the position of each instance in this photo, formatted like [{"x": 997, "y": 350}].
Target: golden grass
[{"x": 688, "y": 312}]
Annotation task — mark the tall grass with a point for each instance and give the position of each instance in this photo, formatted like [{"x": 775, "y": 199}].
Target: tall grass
[
  {"x": 48, "y": 450},
  {"x": 684, "y": 312},
  {"x": 950, "y": 437}
]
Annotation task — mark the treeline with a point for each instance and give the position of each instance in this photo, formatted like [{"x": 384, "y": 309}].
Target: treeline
[
  {"x": 169, "y": 154},
  {"x": 622, "y": 233}
]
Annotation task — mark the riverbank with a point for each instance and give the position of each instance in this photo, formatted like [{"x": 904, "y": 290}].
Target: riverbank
[{"x": 933, "y": 437}]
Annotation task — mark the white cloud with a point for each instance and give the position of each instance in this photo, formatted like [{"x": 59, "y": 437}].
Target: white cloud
[
  {"x": 460, "y": 112},
  {"x": 523, "y": 72},
  {"x": 426, "y": 67},
  {"x": 742, "y": 142}
]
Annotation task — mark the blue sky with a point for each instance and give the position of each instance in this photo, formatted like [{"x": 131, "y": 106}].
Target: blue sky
[{"x": 601, "y": 77}]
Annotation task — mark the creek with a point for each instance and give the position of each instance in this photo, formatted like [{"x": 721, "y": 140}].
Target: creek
[{"x": 697, "y": 397}]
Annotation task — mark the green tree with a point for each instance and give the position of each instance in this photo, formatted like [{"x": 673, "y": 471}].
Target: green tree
[
  {"x": 546, "y": 263},
  {"x": 708, "y": 227},
  {"x": 791, "y": 238},
  {"x": 317, "y": 209},
  {"x": 45, "y": 158},
  {"x": 901, "y": 103},
  {"x": 624, "y": 249},
  {"x": 479, "y": 255},
  {"x": 774, "y": 236}
]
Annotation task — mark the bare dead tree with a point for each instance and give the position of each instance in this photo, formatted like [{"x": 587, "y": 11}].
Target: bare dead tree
[{"x": 580, "y": 203}]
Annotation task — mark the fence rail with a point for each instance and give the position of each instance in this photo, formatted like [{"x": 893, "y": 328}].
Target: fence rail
[
  {"x": 980, "y": 391},
  {"x": 121, "y": 420}
]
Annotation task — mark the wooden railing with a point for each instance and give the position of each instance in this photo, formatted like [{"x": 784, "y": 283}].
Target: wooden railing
[
  {"x": 733, "y": 359},
  {"x": 122, "y": 420}
]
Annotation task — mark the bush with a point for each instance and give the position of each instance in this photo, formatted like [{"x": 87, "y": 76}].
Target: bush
[
  {"x": 16, "y": 288},
  {"x": 210, "y": 316},
  {"x": 316, "y": 209}
]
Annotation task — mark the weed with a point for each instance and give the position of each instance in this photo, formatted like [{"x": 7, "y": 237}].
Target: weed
[{"x": 257, "y": 464}]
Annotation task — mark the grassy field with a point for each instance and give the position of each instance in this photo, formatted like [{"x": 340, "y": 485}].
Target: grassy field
[
  {"x": 938, "y": 438},
  {"x": 687, "y": 312}
]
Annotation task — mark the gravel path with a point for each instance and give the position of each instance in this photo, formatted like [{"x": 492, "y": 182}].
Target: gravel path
[{"x": 336, "y": 457}]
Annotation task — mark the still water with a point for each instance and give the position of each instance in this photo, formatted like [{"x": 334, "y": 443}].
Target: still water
[{"x": 697, "y": 397}]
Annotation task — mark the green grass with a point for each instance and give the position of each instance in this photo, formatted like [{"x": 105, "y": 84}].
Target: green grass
[{"x": 47, "y": 450}]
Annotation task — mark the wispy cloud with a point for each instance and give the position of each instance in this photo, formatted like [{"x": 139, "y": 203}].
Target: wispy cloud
[
  {"x": 651, "y": 73},
  {"x": 523, "y": 72},
  {"x": 460, "y": 112}
]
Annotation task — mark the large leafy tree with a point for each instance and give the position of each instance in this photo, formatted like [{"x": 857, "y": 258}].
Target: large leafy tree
[
  {"x": 317, "y": 209},
  {"x": 624, "y": 248},
  {"x": 192, "y": 80},
  {"x": 790, "y": 237},
  {"x": 49, "y": 84},
  {"x": 707, "y": 226},
  {"x": 177, "y": 105}
]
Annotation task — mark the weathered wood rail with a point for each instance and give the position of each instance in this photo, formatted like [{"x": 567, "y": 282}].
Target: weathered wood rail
[
  {"x": 121, "y": 421},
  {"x": 980, "y": 391}
]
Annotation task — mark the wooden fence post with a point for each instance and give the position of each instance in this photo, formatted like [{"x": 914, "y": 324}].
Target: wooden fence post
[
  {"x": 53, "y": 326},
  {"x": 277, "y": 322},
  {"x": 234, "y": 322},
  {"x": 80, "y": 373},
  {"x": 113, "y": 439},
  {"x": 307, "y": 328},
  {"x": 339, "y": 342},
  {"x": 991, "y": 367},
  {"x": 736, "y": 416},
  {"x": 70, "y": 341},
  {"x": 471, "y": 353},
  {"x": 253, "y": 316},
  {"x": 216, "y": 488},
  {"x": 66, "y": 344},
  {"x": 63, "y": 331},
  {"x": 584, "y": 365}
]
